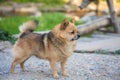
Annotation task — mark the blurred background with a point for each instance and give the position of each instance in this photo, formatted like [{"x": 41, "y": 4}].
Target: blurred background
[{"x": 49, "y": 13}]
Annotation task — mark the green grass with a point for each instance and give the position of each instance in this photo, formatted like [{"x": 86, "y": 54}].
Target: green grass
[
  {"x": 47, "y": 22},
  {"x": 47, "y": 2},
  {"x": 11, "y": 24}
]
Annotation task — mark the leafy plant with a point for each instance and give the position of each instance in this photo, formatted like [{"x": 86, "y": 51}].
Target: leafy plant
[
  {"x": 117, "y": 51},
  {"x": 5, "y": 36}
]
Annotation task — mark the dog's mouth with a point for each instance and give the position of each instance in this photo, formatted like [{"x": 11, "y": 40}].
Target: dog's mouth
[{"x": 75, "y": 38}]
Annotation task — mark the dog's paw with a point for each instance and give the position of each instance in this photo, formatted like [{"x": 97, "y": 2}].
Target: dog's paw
[
  {"x": 25, "y": 70},
  {"x": 65, "y": 74},
  {"x": 55, "y": 75},
  {"x": 12, "y": 72}
]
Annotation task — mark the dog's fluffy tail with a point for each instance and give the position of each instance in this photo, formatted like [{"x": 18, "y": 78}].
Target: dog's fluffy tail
[{"x": 28, "y": 27}]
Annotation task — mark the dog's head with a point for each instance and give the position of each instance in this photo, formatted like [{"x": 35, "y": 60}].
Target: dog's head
[{"x": 67, "y": 30}]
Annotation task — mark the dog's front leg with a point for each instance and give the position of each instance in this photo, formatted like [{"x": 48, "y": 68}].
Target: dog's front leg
[
  {"x": 53, "y": 67},
  {"x": 63, "y": 64}
]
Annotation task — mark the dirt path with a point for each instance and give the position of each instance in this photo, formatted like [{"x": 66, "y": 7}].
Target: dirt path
[
  {"x": 107, "y": 42},
  {"x": 79, "y": 66}
]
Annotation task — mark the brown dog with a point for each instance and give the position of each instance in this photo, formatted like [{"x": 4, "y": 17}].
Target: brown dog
[{"x": 57, "y": 45}]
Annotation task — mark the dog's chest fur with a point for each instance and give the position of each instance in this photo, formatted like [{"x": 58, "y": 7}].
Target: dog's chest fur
[
  {"x": 65, "y": 47},
  {"x": 70, "y": 47}
]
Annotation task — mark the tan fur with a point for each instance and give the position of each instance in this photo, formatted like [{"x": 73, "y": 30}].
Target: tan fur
[{"x": 55, "y": 46}]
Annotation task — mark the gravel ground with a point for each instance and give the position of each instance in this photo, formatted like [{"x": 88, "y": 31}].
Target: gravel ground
[
  {"x": 79, "y": 66},
  {"x": 109, "y": 42}
]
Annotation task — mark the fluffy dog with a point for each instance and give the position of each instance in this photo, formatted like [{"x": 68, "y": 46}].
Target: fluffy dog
[{"x": 55, "y": 46}]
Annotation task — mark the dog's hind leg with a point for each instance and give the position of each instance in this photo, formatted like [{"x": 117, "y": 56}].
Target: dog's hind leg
[
  {"x": 18, "y": 61},
  {"x": 14, "y": 63},
  {"x": 22, "y": 65}
]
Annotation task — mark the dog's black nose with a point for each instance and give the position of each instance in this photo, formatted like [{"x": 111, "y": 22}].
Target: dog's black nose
[
  {"x": 78, "y": 35},
  {"x": 36, "y": 21}
]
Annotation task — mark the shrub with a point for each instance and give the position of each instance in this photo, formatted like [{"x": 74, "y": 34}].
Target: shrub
[{"x": 6, "y": 36}]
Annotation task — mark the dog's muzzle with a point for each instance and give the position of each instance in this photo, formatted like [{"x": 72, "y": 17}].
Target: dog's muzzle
[{"x": 76, "y": 37}]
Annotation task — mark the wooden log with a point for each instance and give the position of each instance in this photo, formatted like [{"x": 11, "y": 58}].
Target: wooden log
[
  {"x": 111, "y": 10},
  {"x": 94, "y": 25},
  {"x": 113, "y": 16}
]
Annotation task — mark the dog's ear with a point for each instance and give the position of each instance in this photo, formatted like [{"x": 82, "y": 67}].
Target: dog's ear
[
  {"x": 64, "y": 24},
  {"x": 72, "y": 20}
]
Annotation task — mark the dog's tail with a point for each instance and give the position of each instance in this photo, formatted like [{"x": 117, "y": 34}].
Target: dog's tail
[{"x": 28, "y": 27}]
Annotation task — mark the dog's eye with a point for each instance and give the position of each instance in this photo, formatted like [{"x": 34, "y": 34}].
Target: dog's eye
[{"x": 72, "y": 32}]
